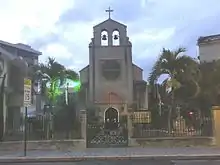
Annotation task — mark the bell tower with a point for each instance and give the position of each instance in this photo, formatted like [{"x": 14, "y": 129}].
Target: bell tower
[
  {"x": 110, "y": 63},
  {"x": 110, "y": 32}
]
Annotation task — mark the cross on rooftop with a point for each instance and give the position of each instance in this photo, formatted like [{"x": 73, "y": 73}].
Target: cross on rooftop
[{"x": 109, "y": 10}]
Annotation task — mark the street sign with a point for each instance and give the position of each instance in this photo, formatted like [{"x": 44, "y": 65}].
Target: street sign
[{"x": 27, "y": 92}]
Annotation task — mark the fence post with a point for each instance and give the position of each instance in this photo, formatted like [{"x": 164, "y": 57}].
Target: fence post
[
  {"x": 216, "y": 124},
  {"x": 83, "y": 122}
]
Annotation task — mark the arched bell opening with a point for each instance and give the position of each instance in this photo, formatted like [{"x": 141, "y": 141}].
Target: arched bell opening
[
  {"x": 115, "y": 38},
  {"x": 104, "y": 38}
]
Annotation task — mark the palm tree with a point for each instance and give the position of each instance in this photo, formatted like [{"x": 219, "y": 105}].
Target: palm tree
[
  {"x": 175, "y": 65},
  {"x": 58, "y": 75}
]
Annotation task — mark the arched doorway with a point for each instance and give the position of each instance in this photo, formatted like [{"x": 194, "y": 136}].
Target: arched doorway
[{"x": 111, "y": 118}]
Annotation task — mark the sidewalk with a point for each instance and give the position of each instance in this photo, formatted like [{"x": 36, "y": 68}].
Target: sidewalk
[{"x": 114, "y": 153}]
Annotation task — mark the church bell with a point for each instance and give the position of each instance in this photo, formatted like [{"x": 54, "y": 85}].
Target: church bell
[
  {"x": 115, "y": 37},
  {"x": 104, "y": 37}
]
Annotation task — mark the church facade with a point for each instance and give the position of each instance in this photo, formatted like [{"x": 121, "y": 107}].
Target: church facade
[{"x": 112, "y": 80}]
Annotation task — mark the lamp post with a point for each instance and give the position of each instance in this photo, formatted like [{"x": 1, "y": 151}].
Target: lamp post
[
  {"x": 39, "y": 78},
  {"x": 67, "y": 94}
]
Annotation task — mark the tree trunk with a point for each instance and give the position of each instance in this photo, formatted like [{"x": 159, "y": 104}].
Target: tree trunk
[
  {"x": 170, "y": 111},
  {"x": 2, "y": 108}
]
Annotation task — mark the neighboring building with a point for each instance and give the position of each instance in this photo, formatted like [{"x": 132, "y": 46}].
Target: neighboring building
[
  {"x": 111, "y": 79},
  {"x": 15, "y": 58},
  {"x": 209, "y": 48}
]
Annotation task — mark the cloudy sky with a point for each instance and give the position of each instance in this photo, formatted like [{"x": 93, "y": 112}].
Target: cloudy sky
[{"x": 63, "y": 28}]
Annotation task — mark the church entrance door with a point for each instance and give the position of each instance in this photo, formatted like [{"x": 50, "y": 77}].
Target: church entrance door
[
  {"x": 111, "y": 119},
  {"x": 112, "y": 133}
]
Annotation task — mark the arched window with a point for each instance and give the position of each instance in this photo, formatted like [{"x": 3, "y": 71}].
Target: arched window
[
  {"x": 104, "y": 38},
  {"x": 115, "y": 38}
]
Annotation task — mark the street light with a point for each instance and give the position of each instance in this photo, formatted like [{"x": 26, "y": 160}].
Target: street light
[
  {"x": 39, "y": 78},
  {"x": 67, "y": 94}
]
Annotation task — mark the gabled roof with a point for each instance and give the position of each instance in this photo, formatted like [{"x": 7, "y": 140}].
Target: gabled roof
[
  {"x": 110, "y": 20},
  {"x": 137, "y": 66},
  {"x": 84, "y": 68},
  {"x": 207, "y": 39},
  {"x": 21, "y": 47}
]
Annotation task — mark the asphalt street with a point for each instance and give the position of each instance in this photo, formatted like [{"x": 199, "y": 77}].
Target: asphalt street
[{"x": 126, "y": 162}]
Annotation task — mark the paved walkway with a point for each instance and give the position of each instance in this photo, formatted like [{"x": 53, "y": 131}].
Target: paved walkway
[
  {"x": 90, "y": 155},
  {"x": 117, "y": 152}
]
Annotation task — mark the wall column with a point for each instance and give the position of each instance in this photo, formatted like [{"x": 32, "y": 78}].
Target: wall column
[
  {"x": 216, "y": 124},
  {"x": 131, "y": 141},
  {"x": 83, "y": 119}
]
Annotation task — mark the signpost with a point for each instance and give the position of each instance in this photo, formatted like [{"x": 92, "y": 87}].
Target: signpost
[
  {"x": 142, "y": 117},
  {"x": 27, "y": 92},
  {"x": 27, "y": 102}
]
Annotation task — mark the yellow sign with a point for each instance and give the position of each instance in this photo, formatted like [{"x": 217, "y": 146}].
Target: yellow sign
[
  {"x": 27, "y": 82},
  {"x": 141, "y": 117},
  {"x": 27, "y": 92}
]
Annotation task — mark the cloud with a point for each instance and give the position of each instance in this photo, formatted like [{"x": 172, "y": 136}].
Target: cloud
[
  {"x": 37, "y": 15},
  {"x": 63, "y": 28},
  {"x": 57, "y": 51}
]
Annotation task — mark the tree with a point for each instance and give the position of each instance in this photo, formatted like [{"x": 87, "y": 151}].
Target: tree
[
  {"x": 175, "y": 65},
  {"x": 2, "y": 92},
  {"x": 58, "y": 75},
  {"x": 2, "y": 107},
  {"x": 209, "y": 83},
  {"x": 65, "y": 119},
  {"x": 50, "y": 87}
]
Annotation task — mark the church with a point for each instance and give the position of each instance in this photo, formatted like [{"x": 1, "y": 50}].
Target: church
[{"x": 111, "y": 81}]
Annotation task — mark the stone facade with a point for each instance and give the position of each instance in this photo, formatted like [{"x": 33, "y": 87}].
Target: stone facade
[{"x": 111, "y": 78}]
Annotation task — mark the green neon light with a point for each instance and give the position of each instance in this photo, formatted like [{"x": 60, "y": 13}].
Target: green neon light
[{"x": 55, "y": 87}]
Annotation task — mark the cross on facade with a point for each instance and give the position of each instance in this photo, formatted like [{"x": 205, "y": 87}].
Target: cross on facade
[{"x": 109, "y": 10}]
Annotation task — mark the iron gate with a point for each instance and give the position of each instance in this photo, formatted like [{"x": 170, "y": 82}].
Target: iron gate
[{"x": 100, "y": 136}]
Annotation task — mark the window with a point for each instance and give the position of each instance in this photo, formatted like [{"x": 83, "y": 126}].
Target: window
[
  {"x": 111, "y": 69},
  {"x": 115, "y": 38},
  {"x": 104, "y": 38}
]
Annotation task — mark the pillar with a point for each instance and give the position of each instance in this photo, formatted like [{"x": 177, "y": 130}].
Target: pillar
[
  {"x": 146, "y": 98},
  {"x": 216, "y": 124},
  {"x": 83, "y": 119},
  {"x": 131, "y": 141}
]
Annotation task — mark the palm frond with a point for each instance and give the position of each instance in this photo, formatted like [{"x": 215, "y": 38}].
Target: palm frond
[
  {"x": 71, "y": 74},
  {"x": 156, "y": 72}
]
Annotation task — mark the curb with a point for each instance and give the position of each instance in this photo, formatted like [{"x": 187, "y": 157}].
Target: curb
[{"x": 101, "y": 158}]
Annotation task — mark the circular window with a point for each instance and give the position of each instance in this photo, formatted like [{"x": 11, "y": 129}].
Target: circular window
[{"x": 111, "y": 69}]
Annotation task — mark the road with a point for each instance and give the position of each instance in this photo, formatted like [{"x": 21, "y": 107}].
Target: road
[{"x": 125, "y": 162}]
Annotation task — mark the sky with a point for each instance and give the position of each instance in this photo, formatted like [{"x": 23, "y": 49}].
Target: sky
[{"x": 63, "y": 28}]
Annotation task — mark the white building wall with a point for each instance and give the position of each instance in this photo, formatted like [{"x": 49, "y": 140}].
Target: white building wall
[{"x": 209, "y": 51}]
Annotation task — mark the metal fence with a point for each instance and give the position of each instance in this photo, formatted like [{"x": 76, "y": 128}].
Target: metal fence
[
  {"x": 180, "y": 128},
  {"x": 42, "y": 127}
]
